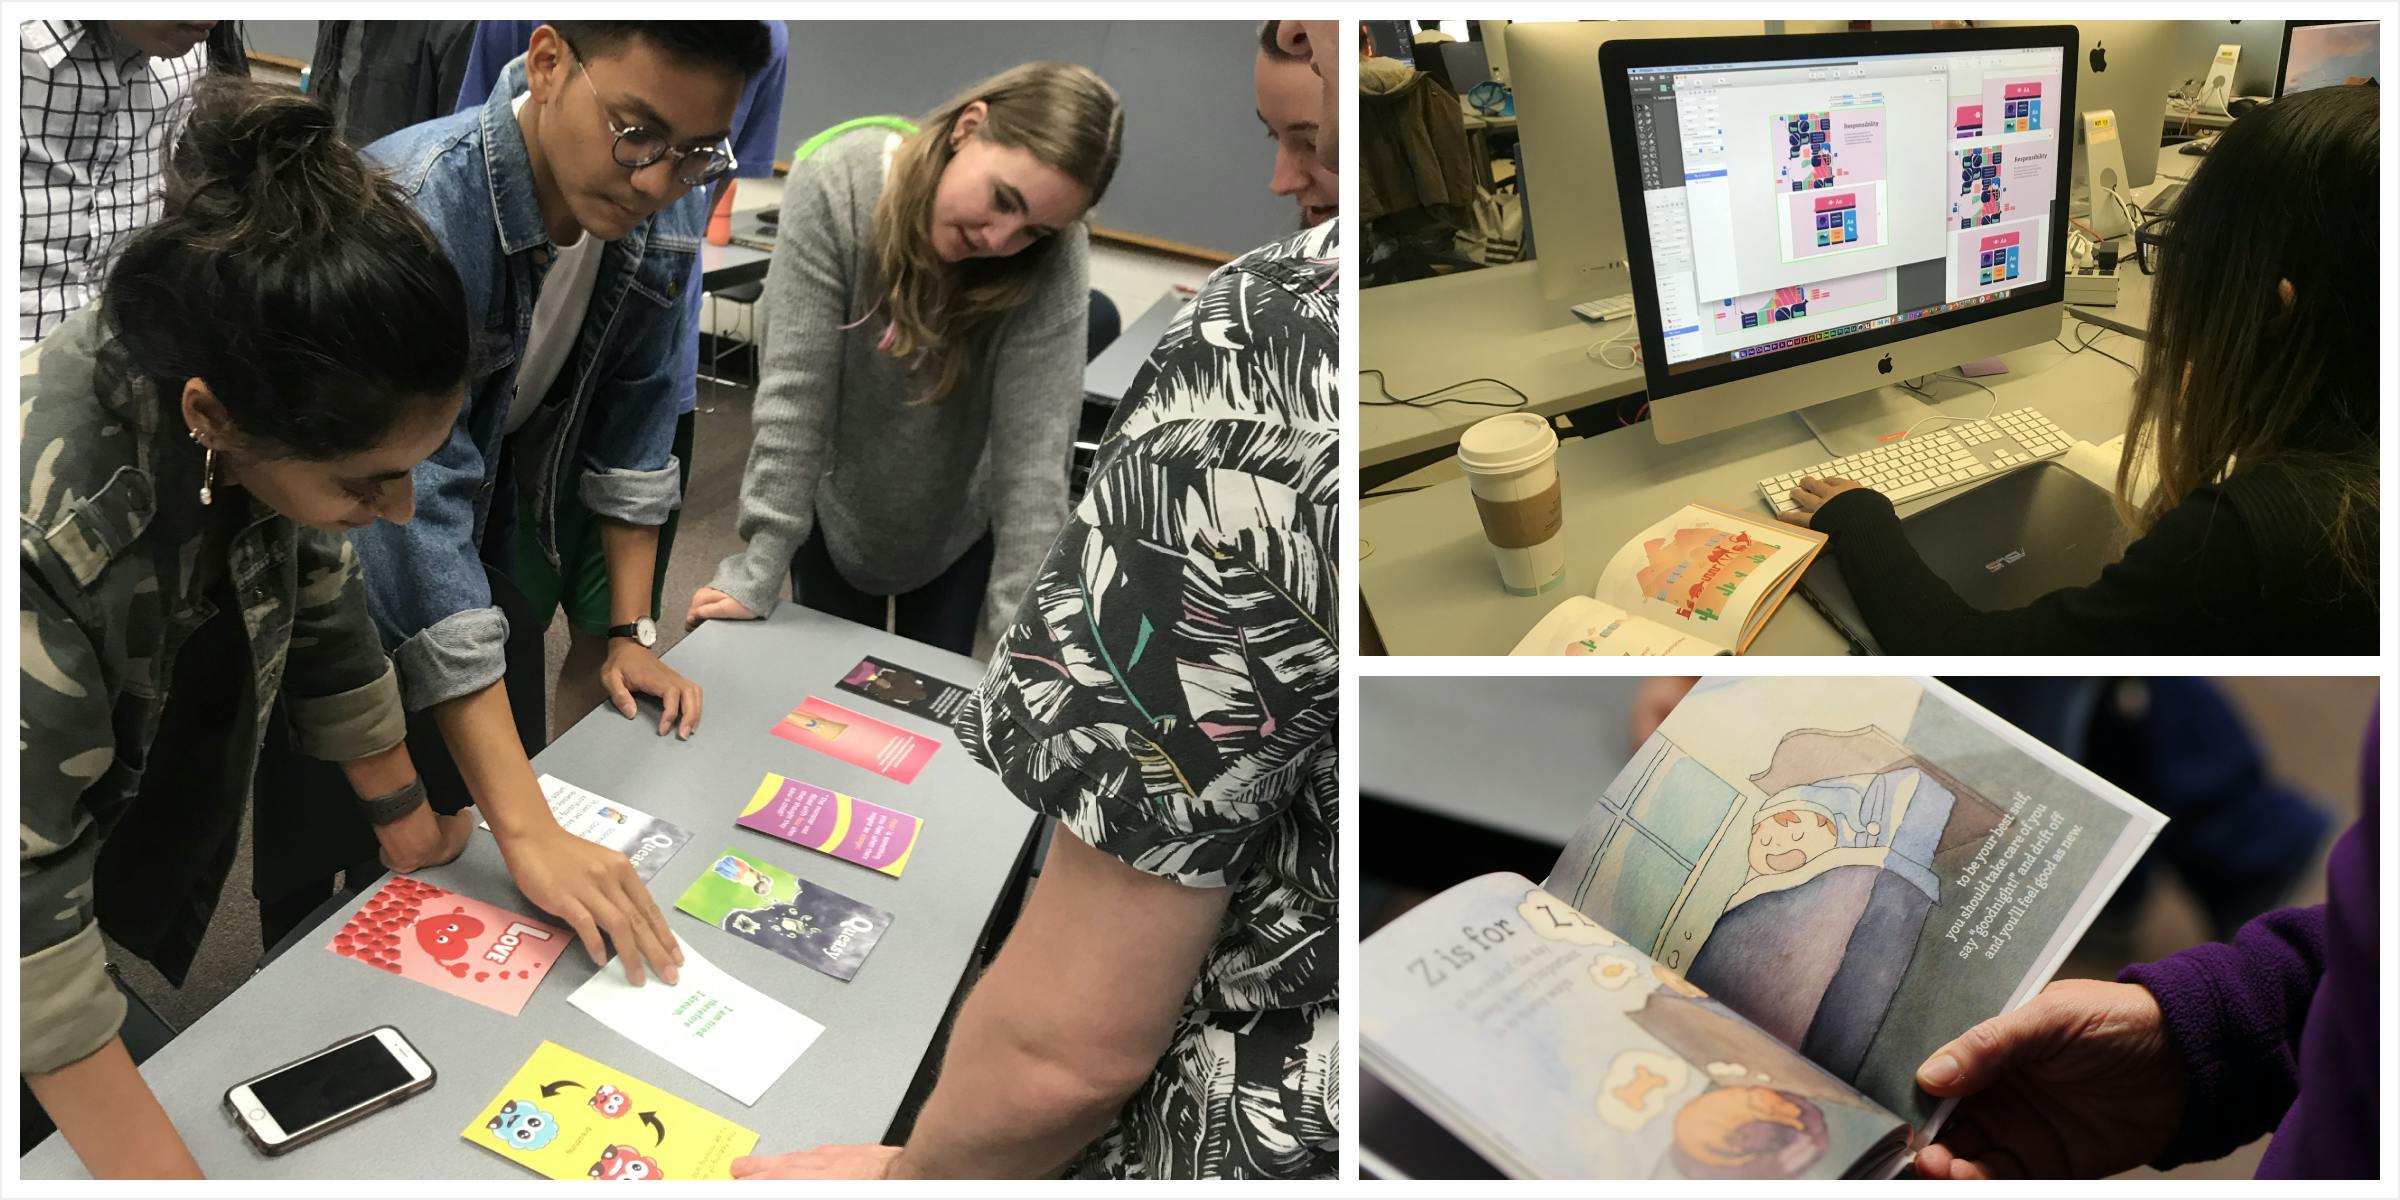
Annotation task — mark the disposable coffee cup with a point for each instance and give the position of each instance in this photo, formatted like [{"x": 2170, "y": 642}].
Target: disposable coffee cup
[{"x": 1511, "y": 465}]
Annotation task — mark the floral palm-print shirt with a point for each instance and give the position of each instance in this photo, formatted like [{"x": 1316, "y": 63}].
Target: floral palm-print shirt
[{"x": 1168, "y": 692}]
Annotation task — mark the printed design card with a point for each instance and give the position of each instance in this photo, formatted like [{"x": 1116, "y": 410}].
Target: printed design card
[
  {"x": 645, "y": 841},
  {"x": 822, "y": 819},
  {"x": 813, "y": 925},
  {"x": 564, "y": 1116},
  {"x": 729, "y": 1034},
  {"x": 452, "y": 943},
  {"x": 858, "y": 740},
  {"x": 909, "y": 691}
]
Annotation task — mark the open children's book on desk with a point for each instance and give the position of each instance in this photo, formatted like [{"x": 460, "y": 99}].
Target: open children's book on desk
[
  {"x": 1702, "y": 581},
  {"x": 1795, "y": 893}
]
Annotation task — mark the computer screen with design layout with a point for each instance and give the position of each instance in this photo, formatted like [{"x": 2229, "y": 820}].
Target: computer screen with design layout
[{"x": 1790, "y": 203}]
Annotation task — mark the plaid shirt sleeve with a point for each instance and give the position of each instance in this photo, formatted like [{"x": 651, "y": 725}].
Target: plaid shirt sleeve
[{"x": 97, "y": 125}]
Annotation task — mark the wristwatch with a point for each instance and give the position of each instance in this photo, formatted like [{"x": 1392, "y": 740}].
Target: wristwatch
[{"x": 643, "y": 632}]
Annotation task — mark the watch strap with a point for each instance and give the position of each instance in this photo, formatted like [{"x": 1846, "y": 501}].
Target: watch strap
[{"x": 383, "y": 810}]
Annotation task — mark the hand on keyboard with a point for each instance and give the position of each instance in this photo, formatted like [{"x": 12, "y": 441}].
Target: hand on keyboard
[{"x": 1810, "y": 494}]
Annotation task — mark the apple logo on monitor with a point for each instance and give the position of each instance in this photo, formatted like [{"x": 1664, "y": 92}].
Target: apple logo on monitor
[
  {"x": 1884, "y": 367},
  {"x": 2099, "y": 59}
]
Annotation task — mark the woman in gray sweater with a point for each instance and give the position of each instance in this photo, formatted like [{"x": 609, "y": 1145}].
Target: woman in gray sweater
[{"x": 923, "y": 343}]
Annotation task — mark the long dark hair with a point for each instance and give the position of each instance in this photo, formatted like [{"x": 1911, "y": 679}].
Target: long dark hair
[
  {"x": 2230, "y": 379},
  {"x": 291, "y": 278}
]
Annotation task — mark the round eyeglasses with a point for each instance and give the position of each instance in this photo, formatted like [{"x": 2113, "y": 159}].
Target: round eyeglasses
[{"x": 637, "y": 147}]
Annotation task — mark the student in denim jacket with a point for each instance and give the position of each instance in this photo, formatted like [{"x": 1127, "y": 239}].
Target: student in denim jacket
[{"x": 567, "y": 203}]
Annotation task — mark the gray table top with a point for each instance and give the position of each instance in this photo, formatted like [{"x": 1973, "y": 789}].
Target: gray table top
[
  {"x": 847, "y": 1087},
  {"x": 1432, "y": 333},
  {"x": 1110, "y": 375},
  {"x": 722, "y": 267},
  {"x": 1426, "y": 572}
]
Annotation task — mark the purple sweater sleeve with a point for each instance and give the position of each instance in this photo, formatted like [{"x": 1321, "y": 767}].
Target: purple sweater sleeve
[
  {"x": 2278, "y": 1030},
  {"x": 2234, "y": 1012}
]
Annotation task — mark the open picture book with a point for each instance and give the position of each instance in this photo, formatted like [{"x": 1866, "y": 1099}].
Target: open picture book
[
  {"x": 1702, "y": 581},
  {"x": 1796, "y": 891}
]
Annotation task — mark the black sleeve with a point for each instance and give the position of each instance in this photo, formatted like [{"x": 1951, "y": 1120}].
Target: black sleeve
[{"x": 2193, "y": 583}]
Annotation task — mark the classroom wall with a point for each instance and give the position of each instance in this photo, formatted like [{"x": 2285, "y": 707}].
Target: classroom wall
[{"x": 1196, "y": 159}]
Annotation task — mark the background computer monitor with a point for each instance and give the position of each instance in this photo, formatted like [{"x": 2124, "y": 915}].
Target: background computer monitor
[
  {"x": 2327, "y": 54},
  {"x": 2259, "y": 40},
  {"x": 1563, "y": 131},
  {"x": 1393, "y": 39},
  {"x": 2126, "y": 67},
  {"x": 1707, "y": 148}
]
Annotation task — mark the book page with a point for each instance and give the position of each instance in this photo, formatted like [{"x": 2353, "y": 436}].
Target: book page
[
  {"x": 1557, "y": 1050},
  {"x": 1582, "y": 626},
  {"x": 1862, "y": 867},
  {"x": 1708, "y": 572}
]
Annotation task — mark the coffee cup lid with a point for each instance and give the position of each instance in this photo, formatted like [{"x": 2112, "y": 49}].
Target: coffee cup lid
[{"x": 1509, "y": 442}]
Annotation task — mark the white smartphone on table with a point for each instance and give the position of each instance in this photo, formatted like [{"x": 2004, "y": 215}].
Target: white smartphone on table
[{"x": 301, "y": 1101}]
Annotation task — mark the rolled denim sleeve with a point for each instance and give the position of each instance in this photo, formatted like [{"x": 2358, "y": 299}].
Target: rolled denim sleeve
[
  {"x": 425, "y": 585},
  {"x": 67, "y": 1006},
  {"x": 341, "y": 690},
  {"x": 627, "y": 454}
]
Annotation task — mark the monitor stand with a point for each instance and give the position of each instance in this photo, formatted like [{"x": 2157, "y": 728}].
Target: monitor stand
[{"x": 1864, "y": 420}]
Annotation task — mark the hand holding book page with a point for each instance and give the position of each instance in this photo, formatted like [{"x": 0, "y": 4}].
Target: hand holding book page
[
  {"x": 1795, "y": 892},
  {"x": 1864, "y": 868}
]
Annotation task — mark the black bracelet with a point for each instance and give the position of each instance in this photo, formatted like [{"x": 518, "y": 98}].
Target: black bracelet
[{"x": 383, "y": 810}]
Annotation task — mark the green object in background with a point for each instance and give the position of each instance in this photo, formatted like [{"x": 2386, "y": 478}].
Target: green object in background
[{"x": 900, "y": 125}]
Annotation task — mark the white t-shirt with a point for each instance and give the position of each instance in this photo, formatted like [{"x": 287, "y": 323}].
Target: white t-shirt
[{"x": 557, "y": 318}]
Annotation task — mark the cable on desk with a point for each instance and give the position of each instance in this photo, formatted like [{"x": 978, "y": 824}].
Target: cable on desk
[
  {"x": 1598, "y": 351},
  {"x": 1426, "y": 400},
  {"x": 2083, "y": 343},
  {"x": 1928, "y": 398}
]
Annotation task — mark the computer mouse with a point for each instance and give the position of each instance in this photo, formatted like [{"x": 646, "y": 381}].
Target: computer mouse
[
  {"x": 2240, "y": 105},
  {"x": 2194, "y": 148}
]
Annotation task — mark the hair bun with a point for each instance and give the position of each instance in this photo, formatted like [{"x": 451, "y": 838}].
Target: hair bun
[{"x": 256, "y": 158}]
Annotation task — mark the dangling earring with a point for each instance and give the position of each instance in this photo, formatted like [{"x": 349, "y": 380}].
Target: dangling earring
[{"x": 208, "y": 472}]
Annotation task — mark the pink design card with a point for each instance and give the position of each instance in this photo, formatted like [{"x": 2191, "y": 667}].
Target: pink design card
[
  {"x": 452, "y": 943},
  {"x": 861, "y": 741},
  {"x": 825, "y": 820}
]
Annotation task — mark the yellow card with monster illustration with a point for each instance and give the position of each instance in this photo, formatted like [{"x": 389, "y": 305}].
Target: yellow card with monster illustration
[{"x": 566, "y": 1117}]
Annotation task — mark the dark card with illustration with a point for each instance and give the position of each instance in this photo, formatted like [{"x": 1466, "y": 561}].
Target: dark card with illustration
[
  {"x": 799, "y": 920},
  {"x": 912, "y": 692}
]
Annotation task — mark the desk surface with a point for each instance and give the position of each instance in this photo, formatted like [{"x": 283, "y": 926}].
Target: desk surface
[
  {"x": 1110, "y": 375},
  {"x": 1427, "y": 574},
  {"x": 722, "y": 267},
  {"x": 1432, "y": 333},
  {"x": 847, "y": 1087}
]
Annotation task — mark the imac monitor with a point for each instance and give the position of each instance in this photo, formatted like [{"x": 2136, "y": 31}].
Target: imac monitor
[
  {"x": 1562, "y": 132},
  {"x": 2320, "y": 54},
  {"x": 1812, "y": 217}
]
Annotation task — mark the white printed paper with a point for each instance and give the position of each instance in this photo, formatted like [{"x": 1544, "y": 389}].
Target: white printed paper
[
  {"x": 645, "y": 841},
  {"x": 730, "y": 1035}
]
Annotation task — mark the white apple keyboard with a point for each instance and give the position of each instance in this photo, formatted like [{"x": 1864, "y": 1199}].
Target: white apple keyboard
[
  {"x": 1938, "y": 460},
  {"x": 1606, "y": 308}
]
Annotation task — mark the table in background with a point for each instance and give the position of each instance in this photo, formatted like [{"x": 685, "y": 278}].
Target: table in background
[
  {"x": 1426, "y": 573},
  {"x": 1429, "y": 334},
  {"x": 847, "y": 1087},
  {"x": 726, "y": 266}
]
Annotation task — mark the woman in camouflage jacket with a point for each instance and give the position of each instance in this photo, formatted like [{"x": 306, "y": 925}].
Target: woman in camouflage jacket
[{"x": 264, "y": 367}]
